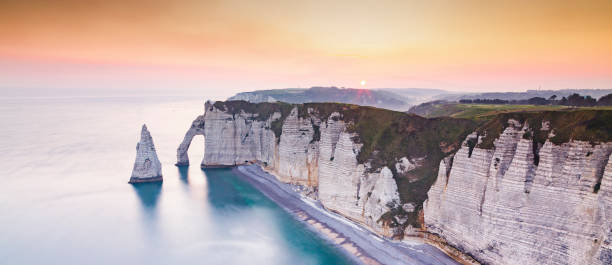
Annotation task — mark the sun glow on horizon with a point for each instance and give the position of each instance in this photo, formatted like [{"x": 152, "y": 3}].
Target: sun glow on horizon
[{"x": 196, "y": 46}]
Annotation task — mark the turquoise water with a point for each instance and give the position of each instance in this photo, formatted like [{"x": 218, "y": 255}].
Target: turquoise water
[{"x": 64, "y": 197}]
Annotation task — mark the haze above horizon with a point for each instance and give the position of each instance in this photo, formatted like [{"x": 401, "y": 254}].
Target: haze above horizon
[{"x": 219, "y": 48}]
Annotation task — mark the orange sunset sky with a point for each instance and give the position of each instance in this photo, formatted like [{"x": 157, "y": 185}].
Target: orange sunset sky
[{"x": 218, "y": 48}]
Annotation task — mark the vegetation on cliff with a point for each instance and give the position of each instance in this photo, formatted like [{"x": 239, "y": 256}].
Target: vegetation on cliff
[
  {"x": 589, "y": 125},
  {"x": 485, "y": 109},
  {"x": 389, "y": 135},
  {"x": 386, "y": 136},
  {"x": 575, "y": 100},
  {"x": 477, "y": 112}
]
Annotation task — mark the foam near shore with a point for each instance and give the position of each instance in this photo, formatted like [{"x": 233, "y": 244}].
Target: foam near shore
[{"x": 363, "y": 245}]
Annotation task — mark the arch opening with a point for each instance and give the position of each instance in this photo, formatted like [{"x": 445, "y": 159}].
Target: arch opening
[{"x": 182, "y": 153}]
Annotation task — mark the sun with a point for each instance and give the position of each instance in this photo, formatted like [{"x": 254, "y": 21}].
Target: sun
[{"x": 362, "y": 82}]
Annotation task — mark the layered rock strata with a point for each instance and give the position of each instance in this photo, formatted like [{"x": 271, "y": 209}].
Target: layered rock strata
[
  {"x": 345, "y": 186},
  {"x": 523, "y": 204},
  {"x": 147, "y": 167},
  {"x": 326, "y": 162},
  {"x": 230, "y": 139},
  {"x": 297, "y": 152},
  {"x": 524, "y": 198}
]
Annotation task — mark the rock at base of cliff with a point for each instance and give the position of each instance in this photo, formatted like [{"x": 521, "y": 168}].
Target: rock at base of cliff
[
  {"x": 182, "y": 164},
  {"x": 202, "y": 166},
  {"x": 147, "y": 167},
  {"x": 145, "y": 180}
]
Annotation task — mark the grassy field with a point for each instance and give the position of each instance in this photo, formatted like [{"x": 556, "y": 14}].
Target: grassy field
[
  {"x": 584, "y": 124},
  {"x": 483, "y": 112}
]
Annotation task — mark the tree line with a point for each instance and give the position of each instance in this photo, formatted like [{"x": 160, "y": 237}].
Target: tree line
[{"x": 573, "y": 100}]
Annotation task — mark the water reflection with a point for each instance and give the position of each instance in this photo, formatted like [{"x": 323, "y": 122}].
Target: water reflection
[
  {"x": 148, "y": 193},
  {"x": 184, "y": 174},
  {"x": 239, "y": 207},
  {"x": 230, "y": 192},
  {"x": 226, "y": 195}
]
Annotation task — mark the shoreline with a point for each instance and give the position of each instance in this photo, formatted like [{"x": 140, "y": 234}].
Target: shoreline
[{"x": 358, "y": 242}]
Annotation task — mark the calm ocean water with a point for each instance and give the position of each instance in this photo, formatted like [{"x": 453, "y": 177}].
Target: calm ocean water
[{"x": 64, "y": 197}]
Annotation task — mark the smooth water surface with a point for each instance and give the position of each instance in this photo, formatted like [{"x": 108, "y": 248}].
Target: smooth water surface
[{"x": 64, "y": 197}]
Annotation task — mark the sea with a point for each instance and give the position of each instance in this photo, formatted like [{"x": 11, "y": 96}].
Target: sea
[{"x": 65, "y": 163}]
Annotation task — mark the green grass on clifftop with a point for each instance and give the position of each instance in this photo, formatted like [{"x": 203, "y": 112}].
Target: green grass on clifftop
[
  {"x": 386, "y": 136},
  {"x": 591, "y": 125},
  {"x": 478, "y": 112},
  {"x": 390, "y": 135},
  {"x": 483, "y": 112}
]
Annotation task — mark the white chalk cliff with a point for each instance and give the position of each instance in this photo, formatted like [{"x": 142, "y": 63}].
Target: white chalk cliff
[
  {"x": 230, "y": 139},
  {"x": 147, "y": 167},
  {"x": 502, "y": 207},
  {"x": 514, "y": 203},
  {"x": 329, "y": 164}
]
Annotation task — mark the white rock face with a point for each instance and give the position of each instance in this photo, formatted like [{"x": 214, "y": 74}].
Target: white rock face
[
  {"x": 501, "y": 208},
  {"x": 604, "y": 200},
  {"x": 344, "y": 185},
  {"x": 377, "y": 200},
  {"x": 329, "y": 164},
  {"x": 231, "y": 139},
  {"x": 298, "y": 153},
  {"x": 408, "y": 207},
  {"x": 147, "y": 167},
  {"x": 404, "y": 165},
  {"x": 340, "y": 176},
  {"x": 197, "y": 128},
  {"x": 236, "y": 139}
]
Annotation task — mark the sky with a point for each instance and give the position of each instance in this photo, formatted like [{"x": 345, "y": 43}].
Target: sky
[{"x": 218, "y": 48}]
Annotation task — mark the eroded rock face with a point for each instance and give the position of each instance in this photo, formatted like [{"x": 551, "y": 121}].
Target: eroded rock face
[
  {"x": 147, "y": 167},
  {"x": 231, "y": 139},
  {"x": 345, "y": 186},
  {"x": 327, "y": 163},
  {"x": 380, "y": 197},
  {"x": 197, "y": 128},
  {"x": 236, "y": 139},
  {"x": 404, "y": 165},
  {"x": 520, "y": 202},
  {"x": 502, "y": 207},
  {"x": 604, "y": 200},
  {"x": 298, "y": 153}
]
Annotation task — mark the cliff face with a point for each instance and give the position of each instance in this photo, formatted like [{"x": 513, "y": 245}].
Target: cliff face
[
  {"x": 345, "y": 186},
  {"x": 524, "y": 188},
  {"x": 313, "y": 145},
  {"x": 230, "y": 139},
  {"x": 524, "y": 202},
  {"x": 147, "y": 167},
  {"x": 297, "y": 152}
]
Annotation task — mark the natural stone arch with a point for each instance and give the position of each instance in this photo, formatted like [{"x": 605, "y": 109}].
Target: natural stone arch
[{"x": 197, "y": 128}]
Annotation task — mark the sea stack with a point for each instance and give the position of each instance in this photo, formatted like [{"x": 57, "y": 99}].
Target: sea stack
[{"x": 147, "y": 167}]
